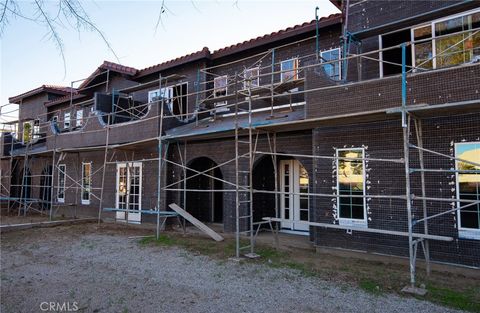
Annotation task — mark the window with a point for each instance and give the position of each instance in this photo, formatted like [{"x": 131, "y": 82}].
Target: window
[
  {"x": 351, "y": 187},
  {"x": 86, "y": 182},
  {"x": 391, "y": 54},
  {"x": 61, "y": 183},
  {"x": 27, "y": 132},
  {"x": 66, "y": 120},
  {"x": 175, "y": 97},
  {"x": 423, "y": 50},
  {"x": 468, "y": 188},
  {"x": 36, "y": 129},
  {"x": 79, "y": 121},
  {"x": 333, "y": 70},
  {"x": 179, "y": 105},
  {"x": 220, "y": 88},
  {"x": 451, "y": 43},
  {"x": 251, "y": 78},
  {"x": 289, "y": 70},
  {"x": 164, "y": 94}
]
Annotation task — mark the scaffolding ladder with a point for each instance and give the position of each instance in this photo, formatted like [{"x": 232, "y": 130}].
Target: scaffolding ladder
[{"x": 244, "y": 183}]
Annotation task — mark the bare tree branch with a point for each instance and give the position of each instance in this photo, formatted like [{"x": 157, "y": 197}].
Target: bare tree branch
[
  {"x": 68, "y": 14},
  {"x": 54, "y": 35},
  {"x": 159, "y": 19},
  {"x": 76, "y": 9}
]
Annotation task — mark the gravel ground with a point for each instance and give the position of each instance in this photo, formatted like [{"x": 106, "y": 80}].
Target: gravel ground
[{"x": 106, "y": 272}]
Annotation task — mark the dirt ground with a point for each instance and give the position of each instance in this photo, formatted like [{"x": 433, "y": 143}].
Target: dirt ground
[{"x": 111, "y": 268}]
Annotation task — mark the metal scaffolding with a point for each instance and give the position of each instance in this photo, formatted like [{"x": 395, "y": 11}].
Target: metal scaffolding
[{"x": 246, "y": 135}]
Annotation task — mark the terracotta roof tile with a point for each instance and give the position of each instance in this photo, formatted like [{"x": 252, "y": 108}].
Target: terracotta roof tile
[
  {"x": 278, "y": 35},
  {"x": 64, "y": 99},
  {"x": 204, "y": 53},
  {"x": 62, "y": 90},
  {"x": 107, "y": 65},
  {"x": 258, "y": 41}
]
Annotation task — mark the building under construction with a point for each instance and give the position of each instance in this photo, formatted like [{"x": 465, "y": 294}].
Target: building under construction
[{"x": 359, "y": 130}]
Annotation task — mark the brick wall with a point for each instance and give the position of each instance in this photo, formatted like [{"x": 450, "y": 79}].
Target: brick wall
[{"x": 384, "y": 140}]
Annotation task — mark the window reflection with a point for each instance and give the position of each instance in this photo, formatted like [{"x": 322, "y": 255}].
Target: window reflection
[{"x": 468, "y": 184}]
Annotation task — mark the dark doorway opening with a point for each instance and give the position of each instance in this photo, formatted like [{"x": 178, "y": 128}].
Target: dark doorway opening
[
  {"x": 263, "y": 179},
  {"x": 205, "y": 204},
  {"x": 24, "y": 188},
  {"x": 395, "y": 55},
  {"x": 46, "y": 188}
]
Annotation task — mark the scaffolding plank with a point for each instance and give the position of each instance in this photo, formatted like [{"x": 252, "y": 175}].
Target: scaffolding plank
[
  {"x": 367, "y": 230},
  {"x": 207, "y": 230}
]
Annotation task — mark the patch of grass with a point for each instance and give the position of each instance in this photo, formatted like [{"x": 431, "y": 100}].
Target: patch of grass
[
  {"x": 163, "y": 240},
  {"x": 270, "y": 254},
  {"x": 370, "y": 286},
  {"x": 467, "y": 300}
]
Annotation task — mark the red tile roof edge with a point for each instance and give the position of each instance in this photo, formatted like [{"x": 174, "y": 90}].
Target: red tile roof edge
[
  {"x": 278, "y": 35},
  {"x": 64, "y": 99},
  {"x": 248, "y": 44},
  {"x": 198, "y": 55},
  {"x": 43, "y": 88},
  {"x": 112, "y": 66}
]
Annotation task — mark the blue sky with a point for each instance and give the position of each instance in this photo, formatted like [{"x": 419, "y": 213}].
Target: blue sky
[{"x": 29, "y": 59}]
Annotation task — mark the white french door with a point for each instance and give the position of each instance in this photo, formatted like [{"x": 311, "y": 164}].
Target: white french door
[
  {"x": 293, "y": 206},
  {"x": 129, "y": 191}
]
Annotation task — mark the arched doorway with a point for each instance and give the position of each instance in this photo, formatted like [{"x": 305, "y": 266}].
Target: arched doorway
[
  {"x": 263, "y": 179},
  {"x": 205, "y": 204},
  {"x": 46, "y": 187}
]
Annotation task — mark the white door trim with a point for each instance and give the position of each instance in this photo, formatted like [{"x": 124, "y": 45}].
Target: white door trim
[
  {"x": 293, "y": 196},
  {"x": 129, "y": 216}
]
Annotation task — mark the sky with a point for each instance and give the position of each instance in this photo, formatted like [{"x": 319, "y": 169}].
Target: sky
[{"x": 28, "y": 58}]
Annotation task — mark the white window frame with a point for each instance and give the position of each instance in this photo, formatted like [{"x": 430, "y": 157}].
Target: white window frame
[
  {"x": 79, "y": 118},
  {"x": 165, "y": 90},
  {"x": 432, "y": 24},
  {"x": 339, "y": 61},
  {"x": 256, "y": 81},
  {"x": 66, "y": 120},
  {"x": 86, "y": 201},
  {"x": 354, "y": 222},
  {"x": 30, "y": 136},
  {"x": 295, "y": 69},
  {"x": 64, "y": 173},
  {"x": 215, "y": 80},
  {"x": 463, "y": 232},
  {"x": 170, "y": 104}
]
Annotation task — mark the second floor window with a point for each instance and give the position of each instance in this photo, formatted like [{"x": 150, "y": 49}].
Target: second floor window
[
  {"x": 289, "y": 70},
  {"x": 220, "y": 88},
  {"x": 333, "y": 66},
  {"x": 447, "y": 42},
  {"x": 66, "y": 120},
  {"x": 251, "y": 78},
  {"x": 79, "y": 120},
  {"x": 179, "y": 105},
  {"x": 27, "y": 132}
]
